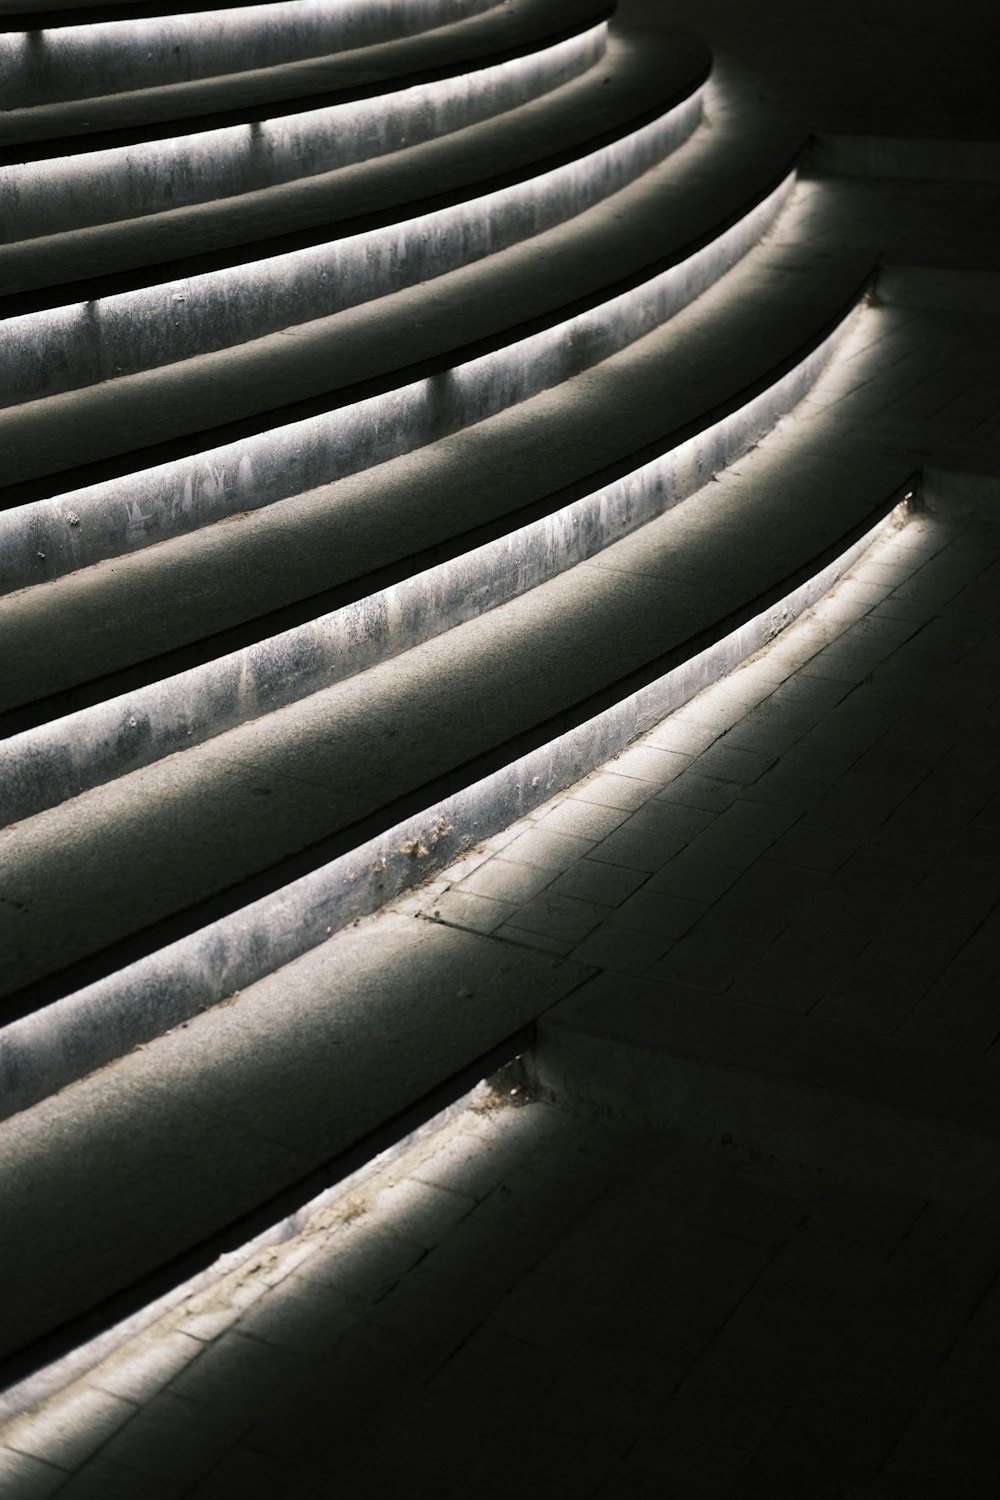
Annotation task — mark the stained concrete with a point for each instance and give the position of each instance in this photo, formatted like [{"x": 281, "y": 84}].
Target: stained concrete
[
  {"x": 772, "y": 1325},
  {"x": 291, "y": 1076}
]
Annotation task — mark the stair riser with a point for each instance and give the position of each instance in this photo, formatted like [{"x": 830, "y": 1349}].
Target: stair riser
[
  {"x": 51, "y": 1048},
  {"x": 50, "y": 538},
  {"x": 48, "y": 765},
  {"x": 65, "y": 348},
  {"x": 76, "y": 62},
  {"x": 101, "y": 187}
]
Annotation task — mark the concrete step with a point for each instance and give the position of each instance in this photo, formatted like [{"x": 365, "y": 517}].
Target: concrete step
[
  {"x": 87, "y": 50},
  {"x": 444, "y": 398},
  {"x": 710, "y": 1190},
  {"x": 440, "y": 506},
  {"x": 147, "y": 457},
  {"x": 231, "y": 1122},
  {"x": 124, "y": 115},
  {"x": 622, "y": 412},
  {"x": 187, "y": 1162},
  {"x": 506, "y": 606},
  {"x": 170, "y": 888},
  {"x": 447, "y": 201},
  {"x": 725, "y": 403},
  {"x": 121, "y": 156}
]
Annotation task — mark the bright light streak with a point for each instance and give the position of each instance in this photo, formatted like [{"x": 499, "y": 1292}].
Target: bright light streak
[
  {"x": 98, "y": 187},
  {"x": 46, "y": 765},
  {"x": 42, "y": 541},
  {"x": 50, "y": 1048},
  {"x": 132, "y": 1349},
  {"x": 69, "y": 62},
  {"x": 64, "y": 348}
]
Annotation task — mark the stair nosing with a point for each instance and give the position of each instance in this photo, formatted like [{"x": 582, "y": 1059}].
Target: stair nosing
[
  {"x": 340, "y": 842},
  {"x": 48, "y": 145},
  {"x": 303, "y": 607},
  {"x": 442, "y": 547},
  {"x": 342, "y": 396},
  {"x": 531, "y": 161}
]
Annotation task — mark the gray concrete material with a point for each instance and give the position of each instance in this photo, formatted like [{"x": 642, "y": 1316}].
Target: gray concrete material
[
  {"x": 916, "y": 1108},
  {"x": 315, "y": 209},
  {"x": 166, "y": 488},
  {"x": 132, "y": 178},
  {"x": 496, "y": 323},
  {"x": 123, "y": 54},
  {"x": 44, "y": 1051},
  {"x": 495, "y": 183},
  {"x": 48, "y": 764},
  {"x": 647, "y": 1314},
  {"x": 18, "y": 17},
  {"x": 537, "y": 668},
  {"x": 319, "y": 1285},
  {"x": 309, "y": 211},
  {"x": 795, "y": 1087},
  {"x": 406, "y": 413},
  {"x": 49, "y": 127},
  {"x": 813, "y": 1232},
  {"x": 848, "y": 1363},
  {"x": 286, "y": 1079}
]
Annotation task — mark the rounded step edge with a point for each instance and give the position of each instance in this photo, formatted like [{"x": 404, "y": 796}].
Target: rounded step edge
[
  {"x": 178, "y": 399},
  {"x": 240, "y": 1209},
  {"x": 548, "y": 161},
  {"x": 55, "y": 199},
  {"x": 452, "y": 388},
  {"x": 51, "y": 53},
  {"x": 46, "y": 1049},
  {"x": 43, "y": 134},
  {"x": 16, "y": 16},
  {"x": 470, "y": 574},
  {"x": 402, "y": 786},
  {"x": 49, "y": 271}
]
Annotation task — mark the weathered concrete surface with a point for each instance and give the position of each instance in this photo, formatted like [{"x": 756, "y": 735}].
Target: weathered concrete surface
[{"x": 286, "y": 1079}]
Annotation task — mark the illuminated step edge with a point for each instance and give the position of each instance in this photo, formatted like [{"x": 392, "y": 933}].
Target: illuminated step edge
[
  {"x": 141, "y": 45},
  {"x": 53, "y": 127},
  {"x": 49, "y": 538},
  {"x": 55, "y": 761},
  {"x": 65, "y": 348},
  {"x": 51, "y": 1371},
  {"x": 64, "y": 193},
  {"x": 593, "y": 109},
  {"x": 48, "y": 1049}
]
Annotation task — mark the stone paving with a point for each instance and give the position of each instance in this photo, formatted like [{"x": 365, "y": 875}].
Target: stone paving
[
  {"x": 541, "y": 1300},
  {"x": 815, "y": 841},
  {"x": 551, "y": 1306},
  {"x": 544, "y": 1299}
]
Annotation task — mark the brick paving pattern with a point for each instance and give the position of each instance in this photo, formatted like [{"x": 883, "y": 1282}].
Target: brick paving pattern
[{"x": 550, "y": 1304}]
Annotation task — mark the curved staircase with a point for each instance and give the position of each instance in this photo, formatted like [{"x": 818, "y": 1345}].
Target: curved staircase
[{"x": 365, "y": 373}]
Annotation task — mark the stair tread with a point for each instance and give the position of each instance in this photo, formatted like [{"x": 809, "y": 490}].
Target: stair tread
[
  {"x": 483, "y": 482},
  {"x": 102, "y": 260},
  {"x": 18, "y": 15},
  {"x": 121, "y": 1148},
  {"x": 335, "y": 362},
  {"x": 185, "y": 874},
  {"x": 51, "y": 128},
  {"x": 539, "y": 456},
  {"x": 291, "y": 790}
]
